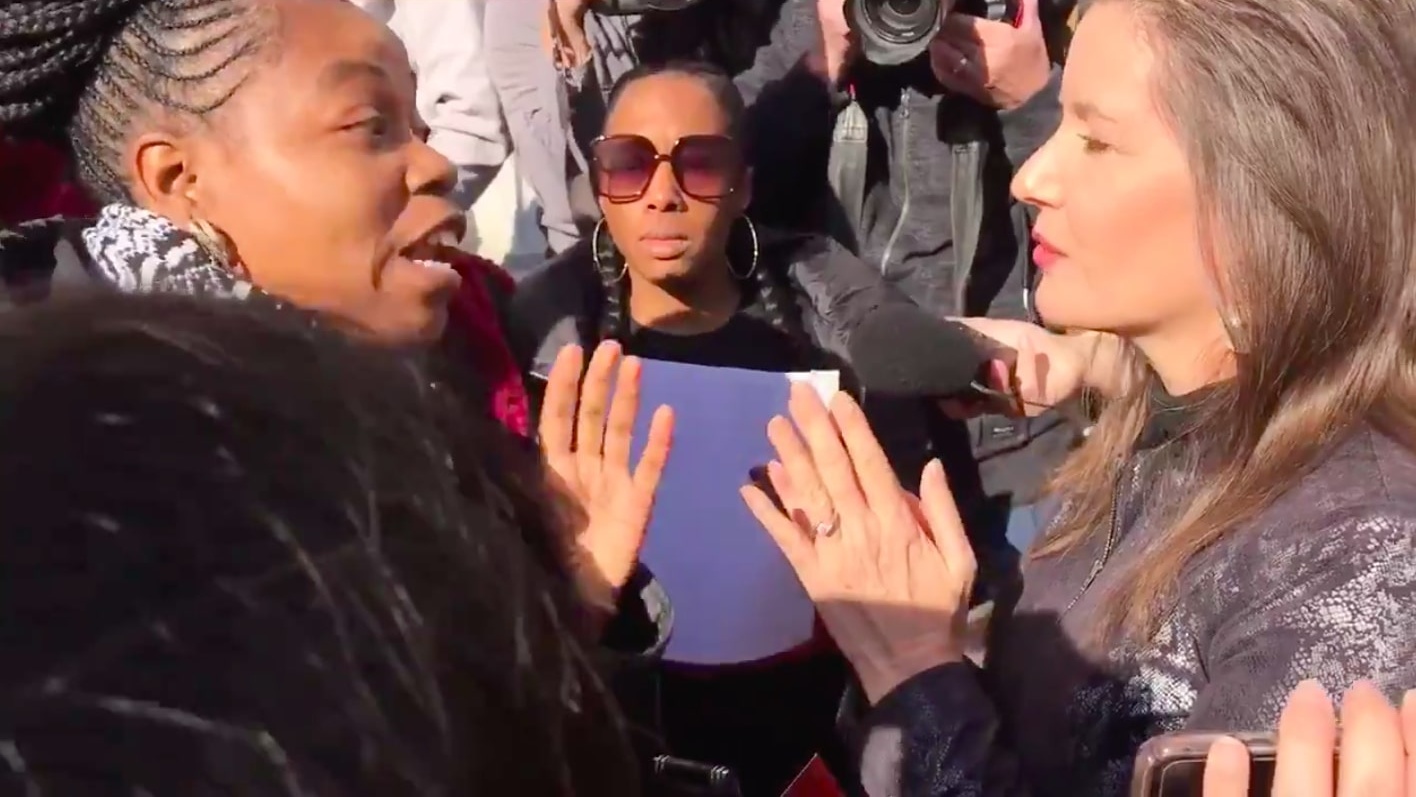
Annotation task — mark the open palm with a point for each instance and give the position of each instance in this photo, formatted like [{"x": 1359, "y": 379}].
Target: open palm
[{"x": 587, "y": 436}]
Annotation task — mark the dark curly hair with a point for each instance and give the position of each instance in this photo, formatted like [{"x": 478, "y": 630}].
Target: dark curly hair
[
  {"x": 766, "y": 281},
  {"x": 242, "y": 555},
  {"x": 81, "y": 71}
]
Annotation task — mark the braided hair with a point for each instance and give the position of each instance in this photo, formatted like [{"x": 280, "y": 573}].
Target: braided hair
[
  {"x": 765, "y": 281},
  {"x": 85, "y": 70}
]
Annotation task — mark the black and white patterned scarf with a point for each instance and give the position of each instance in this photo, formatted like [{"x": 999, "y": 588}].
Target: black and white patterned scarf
[{"x": 141, "y": 252}]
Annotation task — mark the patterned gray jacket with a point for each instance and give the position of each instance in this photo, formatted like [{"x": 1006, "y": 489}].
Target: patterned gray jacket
[{"x": 1322, "y": 584}]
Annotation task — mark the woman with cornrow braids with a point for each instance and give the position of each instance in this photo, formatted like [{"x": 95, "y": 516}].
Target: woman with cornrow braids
[
  {"x": 270, "y": 151},
  {"x": 678, "y": 271},
  {"x": 250, "y": 147}
]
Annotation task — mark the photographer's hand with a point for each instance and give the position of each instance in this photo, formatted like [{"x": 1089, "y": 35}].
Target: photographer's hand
[
  {"x": 993, "y": 62},
  {"x": 565, "y": 32},
  {"x": 837, "y": 40}
]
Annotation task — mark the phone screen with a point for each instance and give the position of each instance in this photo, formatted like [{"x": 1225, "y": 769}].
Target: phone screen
[{"x": 1186, "y": 778}]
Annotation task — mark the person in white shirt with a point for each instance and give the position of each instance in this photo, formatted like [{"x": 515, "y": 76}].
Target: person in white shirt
[{"x": 455, "y": 95}]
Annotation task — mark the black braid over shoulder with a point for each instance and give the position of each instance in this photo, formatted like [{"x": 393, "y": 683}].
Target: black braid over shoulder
[
  {"x": 614, "y": 312},
  {"x": 88, "y": 69},
  {"x": 777, "y": 301}
]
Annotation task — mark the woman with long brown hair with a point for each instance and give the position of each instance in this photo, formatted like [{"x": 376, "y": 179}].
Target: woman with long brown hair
[{"x": 1227, "y": 230}]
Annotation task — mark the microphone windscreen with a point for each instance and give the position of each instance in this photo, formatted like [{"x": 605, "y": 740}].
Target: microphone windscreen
[{"x": 905, "y": 351}]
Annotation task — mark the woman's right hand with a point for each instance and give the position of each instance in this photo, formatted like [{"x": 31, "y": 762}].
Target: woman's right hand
[
  {"x": 586, "y": 434},
  {"x": 1377, "y": 744},
  {"x": 1042, "y": 369}
]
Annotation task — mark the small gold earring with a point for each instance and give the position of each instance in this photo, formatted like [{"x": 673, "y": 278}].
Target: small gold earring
[{"x": 211, "y": 241}]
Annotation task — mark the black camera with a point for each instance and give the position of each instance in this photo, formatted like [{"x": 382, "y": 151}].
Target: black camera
[
  {"x": 897, "y": 31},
  {"x": 621, "y": 8}
]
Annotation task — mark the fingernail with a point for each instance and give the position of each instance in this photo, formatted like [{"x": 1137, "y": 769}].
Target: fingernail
[
  {"x": 840, "y": 402},
  {"x": 1228, "y": 745},
  {"x": 1311, "y": 690}
]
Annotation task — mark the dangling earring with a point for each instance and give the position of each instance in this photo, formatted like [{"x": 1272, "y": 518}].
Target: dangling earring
[
  {"x": 596, "y": 245},
  {"x": 214, "y": 244},
  {"x": 752, "y": 233}
]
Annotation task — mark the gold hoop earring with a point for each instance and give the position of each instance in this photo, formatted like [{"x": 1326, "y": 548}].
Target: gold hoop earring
[
  {"x": 595, "y": 247},
  {"x": 214, "y": 244},
  {"x": 756, "y": 252}
]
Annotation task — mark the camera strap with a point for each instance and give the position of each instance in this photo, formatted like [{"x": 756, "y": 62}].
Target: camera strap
[{"x": 846, "y": 170}]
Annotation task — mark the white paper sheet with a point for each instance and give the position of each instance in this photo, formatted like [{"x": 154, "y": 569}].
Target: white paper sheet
[{"x": 735, "y": 597}]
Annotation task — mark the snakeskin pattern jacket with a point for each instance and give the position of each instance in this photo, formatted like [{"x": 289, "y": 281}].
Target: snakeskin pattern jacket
[{"x": 1321, "y": 585}]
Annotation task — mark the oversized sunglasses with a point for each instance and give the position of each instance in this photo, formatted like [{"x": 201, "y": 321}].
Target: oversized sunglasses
[{"x": 706, "y": 167}]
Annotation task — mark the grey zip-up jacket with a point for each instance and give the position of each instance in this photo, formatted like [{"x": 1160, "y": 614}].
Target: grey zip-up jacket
[{"x": 1321, "y": 584}]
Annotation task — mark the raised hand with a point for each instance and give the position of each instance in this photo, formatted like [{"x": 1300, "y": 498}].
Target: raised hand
[
  {"x": 890, "y": 575},
  {"x": 587, "y": 437}
]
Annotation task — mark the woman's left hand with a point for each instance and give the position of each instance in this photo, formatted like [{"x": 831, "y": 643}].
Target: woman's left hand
[
  {"x": 890, "y": 574},
  {"x": 586, "y": 437}
]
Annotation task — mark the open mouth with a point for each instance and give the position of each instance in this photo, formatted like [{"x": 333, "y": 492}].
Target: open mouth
[{"x": 437, "y": 248}]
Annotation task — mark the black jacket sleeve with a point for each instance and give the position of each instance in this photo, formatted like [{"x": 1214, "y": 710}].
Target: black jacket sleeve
[{"x": 790, "y": 116}]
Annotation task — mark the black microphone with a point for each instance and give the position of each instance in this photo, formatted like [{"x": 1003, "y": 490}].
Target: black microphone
[{"x": 905, "y": 351}]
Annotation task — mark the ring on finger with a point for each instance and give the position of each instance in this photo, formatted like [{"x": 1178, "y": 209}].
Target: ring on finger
[{"x": 826, "y": 528}]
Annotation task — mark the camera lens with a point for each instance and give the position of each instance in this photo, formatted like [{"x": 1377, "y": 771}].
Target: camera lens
[{"x": 894, "y": 31}]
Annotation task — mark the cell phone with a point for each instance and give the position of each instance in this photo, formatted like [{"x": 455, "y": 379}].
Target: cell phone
[
  {"x": 678, "y": 777},
  {"x": 1173, "y": 765}
]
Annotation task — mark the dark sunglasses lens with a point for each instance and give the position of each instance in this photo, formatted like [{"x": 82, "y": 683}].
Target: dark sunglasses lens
[
  {"x": 708, "y": 167},
  {"x": 623, "y": 167}
]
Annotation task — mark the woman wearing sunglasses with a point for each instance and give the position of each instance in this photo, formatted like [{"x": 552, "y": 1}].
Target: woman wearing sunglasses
[{"x": 677, "y": 271}]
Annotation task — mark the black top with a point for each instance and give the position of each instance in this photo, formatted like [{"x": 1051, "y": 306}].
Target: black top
[
  {"x": 748, "y": 341},
  {"x": 764, "y": 720}
]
